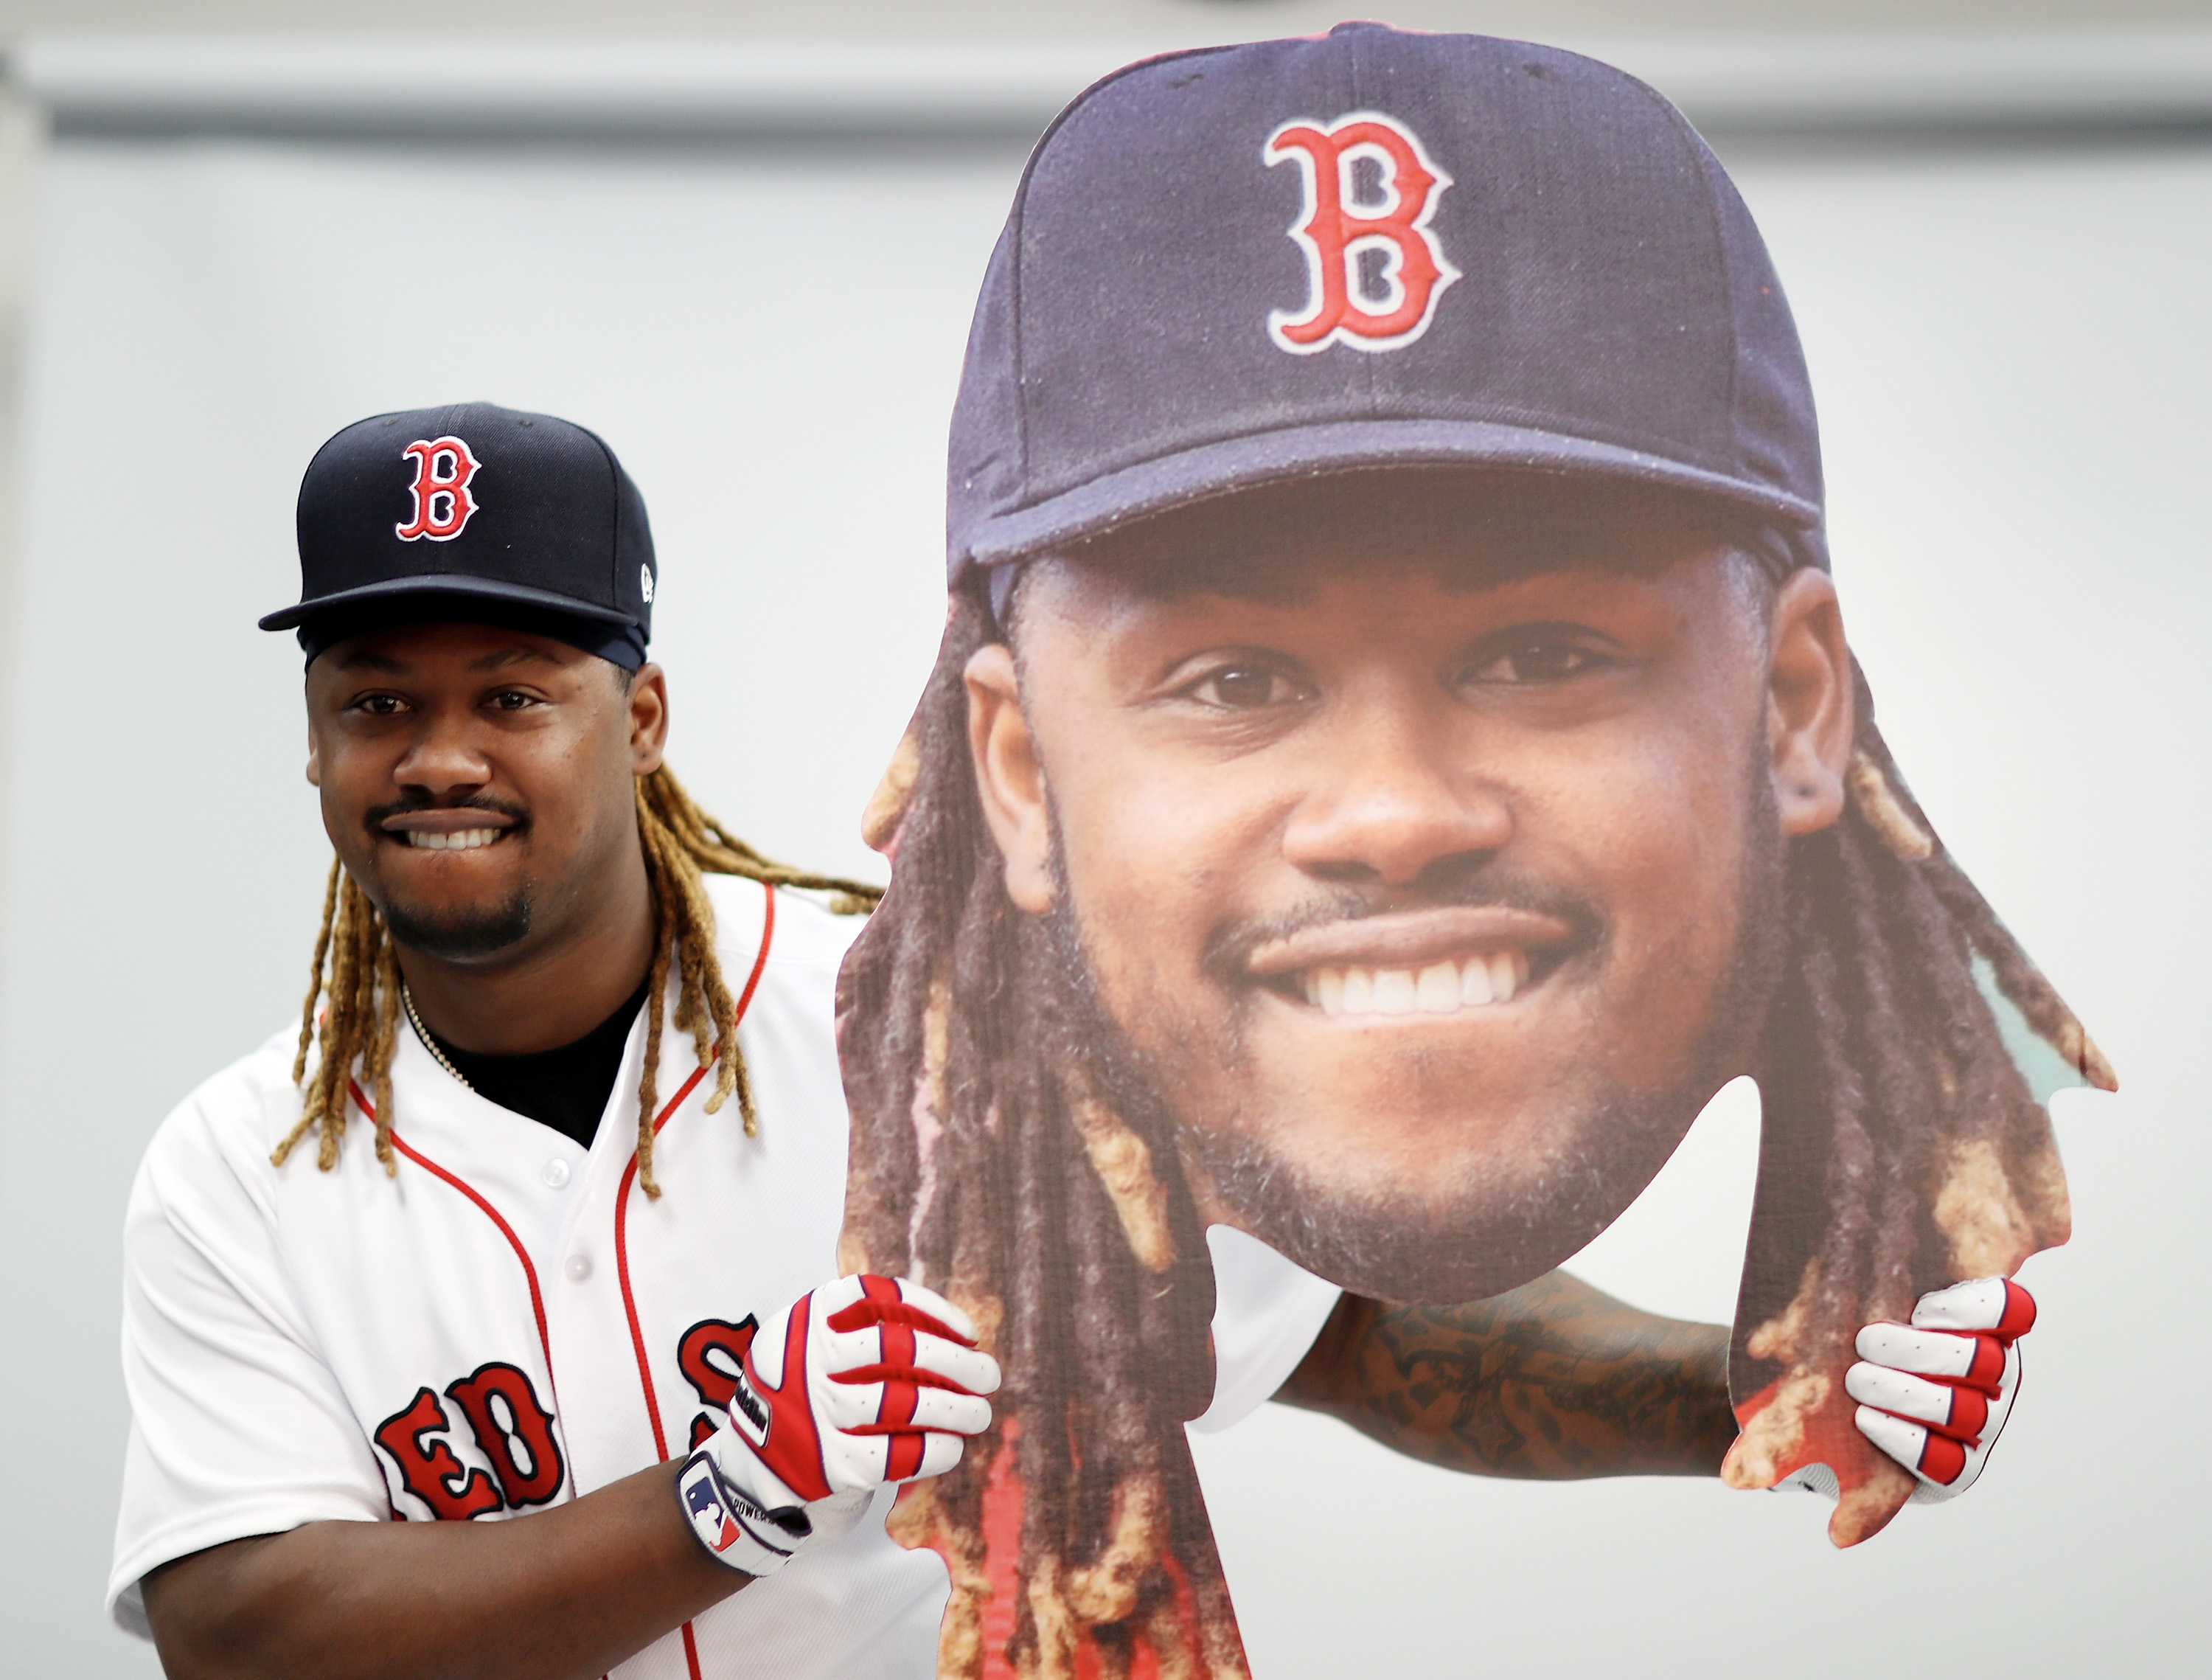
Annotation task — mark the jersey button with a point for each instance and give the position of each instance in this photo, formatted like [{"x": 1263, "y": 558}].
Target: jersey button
[
  {"x": 579, "y": 1267},
  {"x": 555, "y": 1173}
]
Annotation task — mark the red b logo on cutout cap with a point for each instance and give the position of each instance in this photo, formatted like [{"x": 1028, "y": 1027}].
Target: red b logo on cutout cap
[
  {"x": 443, "y": 468},
  {"x": 1338, "y": 227}
]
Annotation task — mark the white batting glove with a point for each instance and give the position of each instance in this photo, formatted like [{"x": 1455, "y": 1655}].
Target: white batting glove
[
  {"x": 1934, "y": 1394},
  {"x": 864, "y": 1381}
]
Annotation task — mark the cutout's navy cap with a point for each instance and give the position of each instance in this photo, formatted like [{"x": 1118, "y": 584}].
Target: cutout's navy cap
[
  {"x": 1239, "y": 265},
  {"x": 477, "y": 513}
]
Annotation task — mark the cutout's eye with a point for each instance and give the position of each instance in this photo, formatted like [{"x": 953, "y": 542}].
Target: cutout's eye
[
  {"x": 1538, "y": 659},
  {"x": 513, "y": 700},
  {"x": 1245, "y": 688},
  {"x": 380, "y": 705}
]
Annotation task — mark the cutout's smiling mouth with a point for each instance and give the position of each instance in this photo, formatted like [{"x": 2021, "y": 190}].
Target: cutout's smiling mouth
[
  {"x": 1440, "y": 962},
  {"x": 1444, "y": 988}
]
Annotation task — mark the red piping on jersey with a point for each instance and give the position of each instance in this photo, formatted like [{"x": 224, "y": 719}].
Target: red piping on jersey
[
  {"x": 621, "y": 1224},
  {"x": 537, "y": 1298},
  {"x": 622, "y": 1263},
  {"x": 630, "y": 1301},
  {"x": 630, "y": 1176}
]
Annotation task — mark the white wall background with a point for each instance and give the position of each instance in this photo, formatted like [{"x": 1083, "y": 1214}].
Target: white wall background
[{"x": 2012, "y": 353}]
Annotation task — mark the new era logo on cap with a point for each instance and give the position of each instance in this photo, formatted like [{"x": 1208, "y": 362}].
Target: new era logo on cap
[{"x": 1386, "y": 304}]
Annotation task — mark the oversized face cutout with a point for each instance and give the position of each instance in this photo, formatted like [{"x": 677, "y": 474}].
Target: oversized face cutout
[{"x": 1391, "y": 869}]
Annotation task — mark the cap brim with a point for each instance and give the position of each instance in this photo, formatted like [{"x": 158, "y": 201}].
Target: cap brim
[
  {"x": 1214, "y": 470},
  {"x": 471, "y": 589}
]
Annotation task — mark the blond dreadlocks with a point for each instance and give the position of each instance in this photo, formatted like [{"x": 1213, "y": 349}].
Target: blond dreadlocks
[{"x": 355, "y": 964}]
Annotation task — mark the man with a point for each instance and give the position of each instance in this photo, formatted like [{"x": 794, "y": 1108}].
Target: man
[
  {"x": 556, "y": 1276},
  {"x": 1394, "y": 756}
]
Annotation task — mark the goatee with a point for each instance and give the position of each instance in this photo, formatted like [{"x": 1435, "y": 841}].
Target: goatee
[{"x": 462, "y": 935}]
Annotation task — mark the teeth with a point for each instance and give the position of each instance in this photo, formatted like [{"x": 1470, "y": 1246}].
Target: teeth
[
  {"x": 1474, "y": 988},
  {"x": 1440, "y": 989},
  {"x": 1504, "y": 980},
  {"x": 463, "y": 840},
  {"x": 1328, "y": 990},
  {"x": 1360, "y": 991}
]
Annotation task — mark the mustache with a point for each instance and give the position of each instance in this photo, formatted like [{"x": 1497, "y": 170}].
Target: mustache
[
  {"x": 375, "y": 817},
  {"x": 1228, "y": 948}
]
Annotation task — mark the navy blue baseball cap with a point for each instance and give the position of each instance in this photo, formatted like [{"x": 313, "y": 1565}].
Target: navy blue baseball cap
[
  {"x": 477, "y": 513},
  {"x": 1248, "y": 264}
]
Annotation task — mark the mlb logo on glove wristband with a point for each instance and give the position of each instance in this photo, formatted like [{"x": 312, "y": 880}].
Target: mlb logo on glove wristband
[
  {"x": 735, "y": 1528},
  {"x": 710, "y": 1516}
]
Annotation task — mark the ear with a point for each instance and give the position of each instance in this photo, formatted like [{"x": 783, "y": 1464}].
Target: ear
[
  {"x": 649, "y": 719},
  {"x": 1811, "y": 716},
  {"x": 1008, "y": 777},
  {"x": 314, "y": 758}
]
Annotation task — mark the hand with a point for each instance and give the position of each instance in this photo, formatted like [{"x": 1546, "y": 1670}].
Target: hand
[
  {"x": 864, "y": 1381},
  {"x": 1934, "y": 1394}
]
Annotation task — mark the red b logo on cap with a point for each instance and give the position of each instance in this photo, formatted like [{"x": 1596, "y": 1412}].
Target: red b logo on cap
[
  {"x": 443, "y": 468},
  {"x": 1338, "y": 227}
]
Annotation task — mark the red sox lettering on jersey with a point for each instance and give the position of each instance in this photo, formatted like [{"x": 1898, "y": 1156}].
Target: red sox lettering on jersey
[
  {"x": 512, "y": 1428},
  {"x": 443, "y": 468},
  {"x": 1387, "y": 306}
]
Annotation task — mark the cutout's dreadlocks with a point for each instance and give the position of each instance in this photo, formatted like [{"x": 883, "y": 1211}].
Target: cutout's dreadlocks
[
  {"x": 951, "y": 1028},
  {"x": 681, "y": 843},
  {"x": 1904, "y": 1148},
  {"x": 1890, "y": 1089}
]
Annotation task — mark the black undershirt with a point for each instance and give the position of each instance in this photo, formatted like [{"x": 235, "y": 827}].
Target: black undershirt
[{"x": 565, "y": 1088}]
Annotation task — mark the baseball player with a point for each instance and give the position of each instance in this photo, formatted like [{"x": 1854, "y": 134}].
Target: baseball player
[{"x": 524, "y": 1218}]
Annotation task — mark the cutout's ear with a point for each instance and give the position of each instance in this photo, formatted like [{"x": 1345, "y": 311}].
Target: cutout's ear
[
  {"x": 314, "y": 758},
  {"x": 1811, "y": 715},
  {"x": 1008, "y": 777}
]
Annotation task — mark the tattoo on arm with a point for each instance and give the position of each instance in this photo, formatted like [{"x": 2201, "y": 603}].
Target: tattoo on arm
[{"x": 1553, "y": 1381}]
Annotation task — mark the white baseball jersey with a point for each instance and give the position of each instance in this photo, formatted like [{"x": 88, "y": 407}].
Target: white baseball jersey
[{"x": 510, "y": 1322}]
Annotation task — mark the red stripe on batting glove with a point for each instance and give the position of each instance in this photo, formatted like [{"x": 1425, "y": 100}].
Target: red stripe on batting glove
[
  {"x": 871, "y": 1310},
  {"x": 914, "y": 1376},
  {"x": 902, "y": 1456}
]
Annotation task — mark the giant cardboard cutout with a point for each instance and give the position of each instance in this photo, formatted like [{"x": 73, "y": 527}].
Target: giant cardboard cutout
[{"x": 1393, "y": 756}]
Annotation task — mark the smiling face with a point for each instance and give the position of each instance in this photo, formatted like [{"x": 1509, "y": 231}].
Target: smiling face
[
  {"x": 1421, "y": 863},
  {"x": 478, "y": 781}
]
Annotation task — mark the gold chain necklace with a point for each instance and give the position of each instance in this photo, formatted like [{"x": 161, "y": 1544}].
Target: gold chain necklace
[{"x": 407, "y": 1001}]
